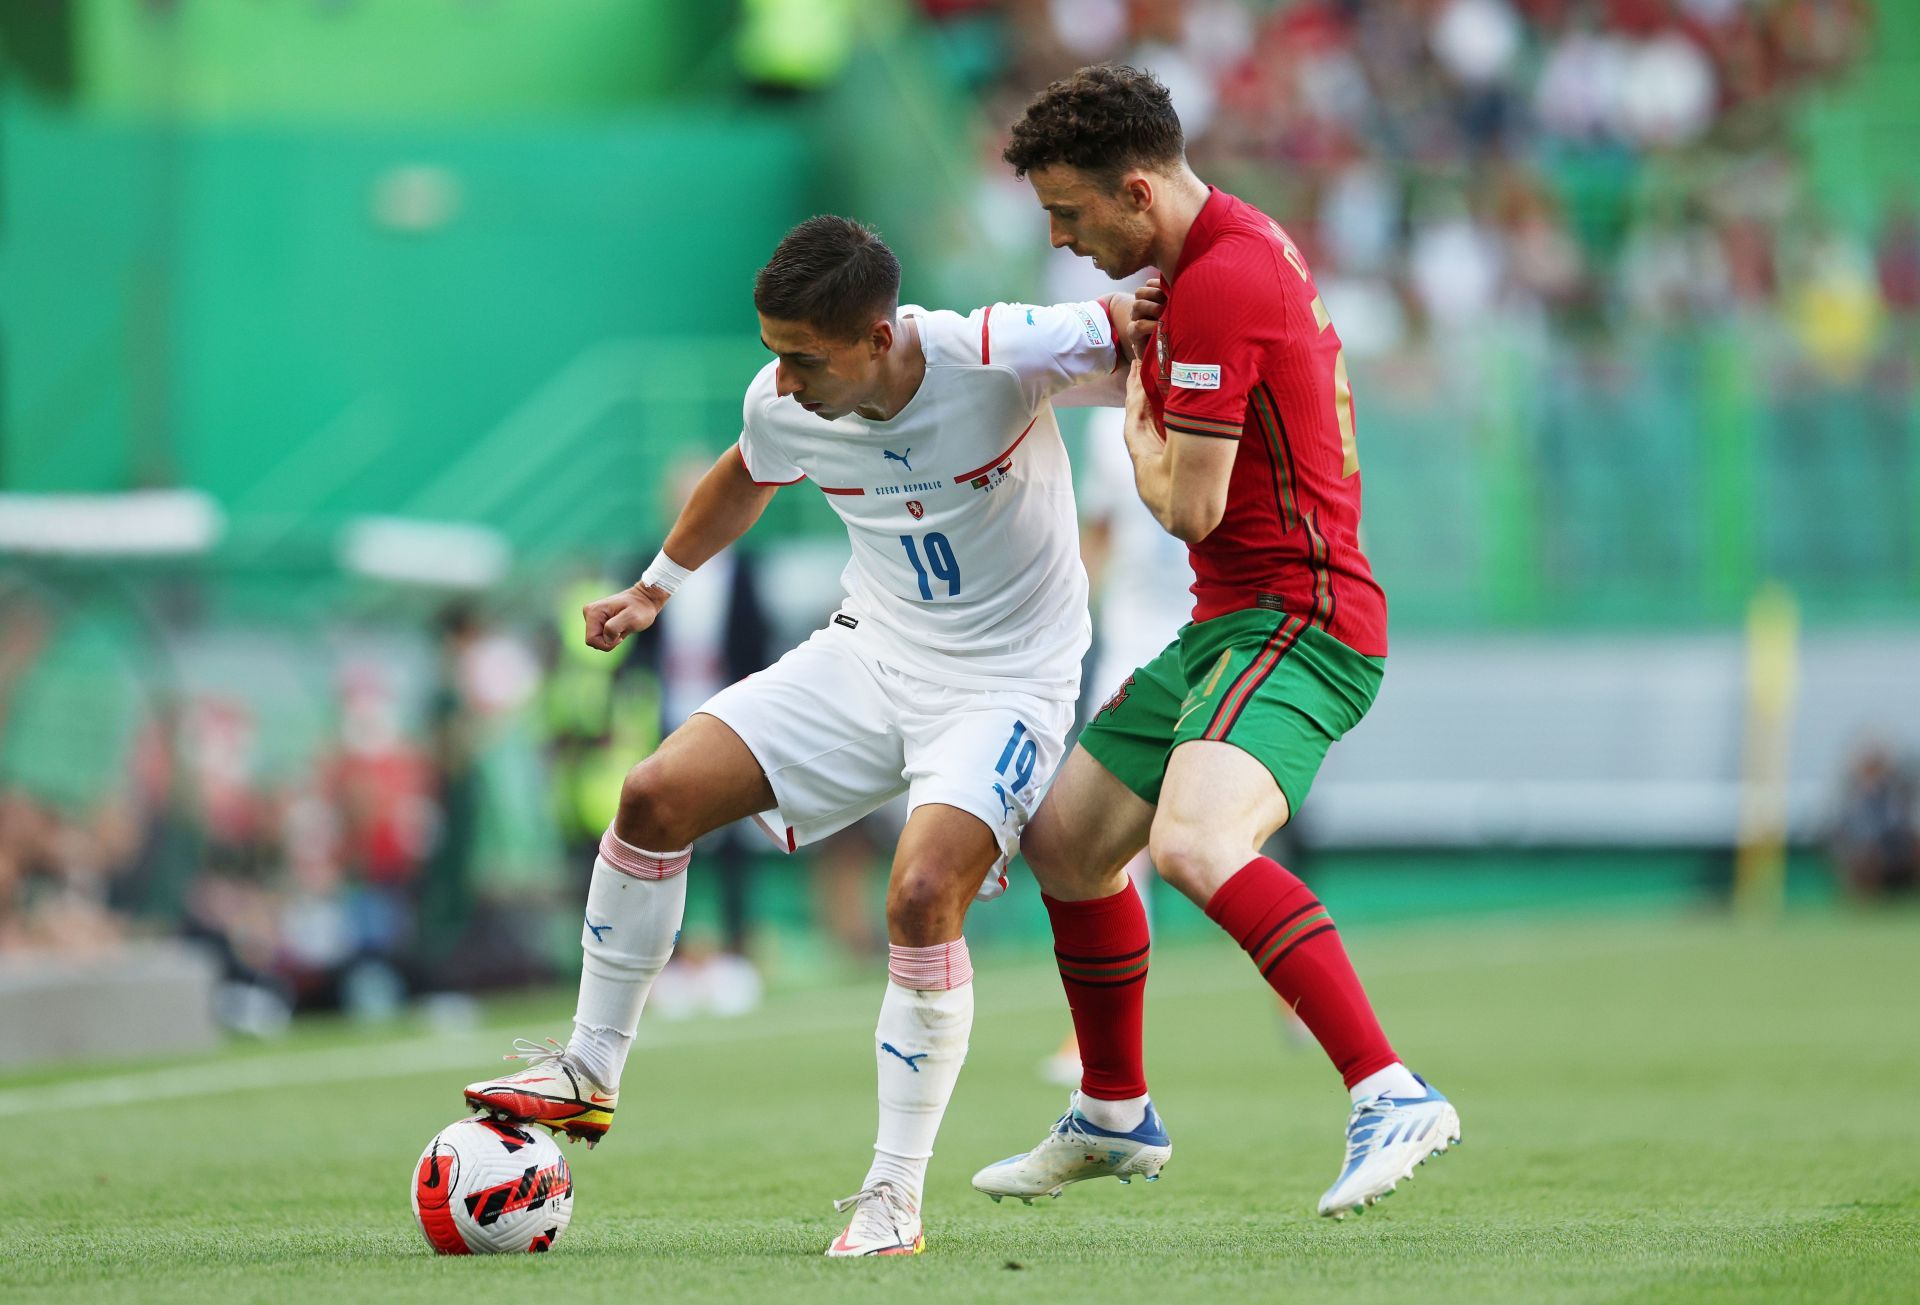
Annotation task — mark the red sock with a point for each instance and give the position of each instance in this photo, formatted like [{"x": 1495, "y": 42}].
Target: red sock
[
  {"x": 1102, "y": 948},
  {"x": 1290, "y": 936}
]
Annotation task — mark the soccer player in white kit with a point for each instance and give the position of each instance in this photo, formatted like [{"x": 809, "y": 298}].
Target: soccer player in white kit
[{"x": 948, "y": 674}]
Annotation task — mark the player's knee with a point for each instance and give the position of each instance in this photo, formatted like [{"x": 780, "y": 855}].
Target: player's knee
[
  {"x": 922, "y": 902},
  {"x": 1186, "y": 855},
  {"x": 1041, "y": 845},
  {"x": 1059, "y": 867},
  {"x": 651, "y": 815}
]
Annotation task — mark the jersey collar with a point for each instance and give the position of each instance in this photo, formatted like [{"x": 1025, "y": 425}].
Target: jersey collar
[{"x": 1206, "y": 225}]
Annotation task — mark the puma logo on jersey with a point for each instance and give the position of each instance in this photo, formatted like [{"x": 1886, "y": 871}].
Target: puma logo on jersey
[{"x": 900, "y": 458}]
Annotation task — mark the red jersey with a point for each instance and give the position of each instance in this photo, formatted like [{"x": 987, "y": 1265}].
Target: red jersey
[{"x": 1245, "y": 351}]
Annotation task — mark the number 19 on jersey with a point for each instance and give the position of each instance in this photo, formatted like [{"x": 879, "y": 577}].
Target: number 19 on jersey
[{"x": 940, "y": 560}]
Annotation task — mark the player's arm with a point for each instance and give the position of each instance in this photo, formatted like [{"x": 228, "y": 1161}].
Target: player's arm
[
  {"x": 725, "y": 503},
  {"x": 1182, "y": 478},
  {"x": 1231, "y": 319},
  {"x": 1066, "y": 353},
  {"x": 1134, "y": 315},
  {"x": 1122, "y": 314}
]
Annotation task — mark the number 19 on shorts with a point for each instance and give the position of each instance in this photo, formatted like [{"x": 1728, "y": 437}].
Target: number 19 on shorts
[
  {"x": 1018, "y": 758},
  {"x": 940, "y": 560}
]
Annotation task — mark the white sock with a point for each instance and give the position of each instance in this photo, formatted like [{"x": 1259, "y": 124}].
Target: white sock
[
  {"x": 920, "y": 1043},
  {"x": 1114, "y": 1116},
  {"x": 634, "y": 908},
  {"x": 1396, "y": 1080}
]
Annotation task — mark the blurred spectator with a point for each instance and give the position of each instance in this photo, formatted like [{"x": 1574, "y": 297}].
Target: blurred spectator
[
  {"x": 1474, "y": 160},
  {"x": 1876, "y": 836},
  {"x": 1897, "y": 261},
  {"x": 489, "y": 898},
  {"x": 53, "y": 882},
  {"x": 1456, "y": 266},
  {"x": 1834, "y": 303},
  {"x": 444, "y": 901},
  {"x": 1673, "y": 270},
  {"x": 715, "y": 631}
]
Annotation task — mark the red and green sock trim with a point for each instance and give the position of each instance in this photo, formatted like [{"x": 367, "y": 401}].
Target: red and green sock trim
[
  {"x": 1104, "y": 971},
  {"x": 1291, "y": 938},
  {"x": 1310, "y": 921}
]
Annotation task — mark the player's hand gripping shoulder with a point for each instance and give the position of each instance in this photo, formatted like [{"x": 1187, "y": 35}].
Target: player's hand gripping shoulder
[
  {"x": 613, "y": 618},
  {"x": 1143, "y": 314}
]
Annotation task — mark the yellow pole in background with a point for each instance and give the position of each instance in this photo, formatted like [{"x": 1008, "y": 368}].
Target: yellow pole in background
[{"x": 1760, "y": 866}]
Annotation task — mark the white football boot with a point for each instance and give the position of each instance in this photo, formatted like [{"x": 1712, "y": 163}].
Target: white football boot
[
  {"x": 553, "y": 1092},
  {"x": 885, "y": 1222},
  {"x": 1075, "y": 1150},
  {"x": 1387, "y": 1138}
]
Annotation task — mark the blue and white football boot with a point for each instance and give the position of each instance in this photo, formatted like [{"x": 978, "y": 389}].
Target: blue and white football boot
[
  {"x": 1387, "y": 1139},
  {"x": 1075, "y": 1150}
]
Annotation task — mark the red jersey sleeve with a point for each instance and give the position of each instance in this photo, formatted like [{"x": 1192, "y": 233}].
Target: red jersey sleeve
[{"x": 1222, "y": 322}]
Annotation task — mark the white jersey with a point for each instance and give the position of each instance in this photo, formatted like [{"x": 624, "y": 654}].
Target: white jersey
[{"x": 960, "y": 509}]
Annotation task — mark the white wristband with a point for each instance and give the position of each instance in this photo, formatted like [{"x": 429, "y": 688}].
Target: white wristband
[{"x": 665, "y": 574}]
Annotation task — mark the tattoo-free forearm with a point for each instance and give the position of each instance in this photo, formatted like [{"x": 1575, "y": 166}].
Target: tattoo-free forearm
[
  {"x": 1152, "y": 474},
  {"x": 722, "y": 507},
  {"x": 1120, "y": 311}
]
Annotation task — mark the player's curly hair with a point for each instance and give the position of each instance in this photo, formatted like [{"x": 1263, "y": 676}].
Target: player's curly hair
[
  {"x": 832, "y": 273},
  {"x": 1104, "y": 119}
]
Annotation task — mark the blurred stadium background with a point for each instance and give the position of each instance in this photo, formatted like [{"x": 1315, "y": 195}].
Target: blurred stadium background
[{"x": 346, "y": 345}]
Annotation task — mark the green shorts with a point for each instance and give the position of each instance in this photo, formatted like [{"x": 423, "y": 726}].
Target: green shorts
[{"x": 1273, "y": 686}]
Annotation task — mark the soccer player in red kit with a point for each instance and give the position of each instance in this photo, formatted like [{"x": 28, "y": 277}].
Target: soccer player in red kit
[{"x": 1240, "y": 426}]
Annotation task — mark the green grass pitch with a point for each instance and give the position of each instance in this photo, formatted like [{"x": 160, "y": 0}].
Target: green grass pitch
[{"x": 1654, "y": 1109}]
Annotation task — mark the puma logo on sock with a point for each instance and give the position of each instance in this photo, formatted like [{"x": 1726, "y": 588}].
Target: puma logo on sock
[{"x": 918, "y": 1055}]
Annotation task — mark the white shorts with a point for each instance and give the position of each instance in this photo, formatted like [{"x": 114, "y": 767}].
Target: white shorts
[{"x": 839, "y": 734}]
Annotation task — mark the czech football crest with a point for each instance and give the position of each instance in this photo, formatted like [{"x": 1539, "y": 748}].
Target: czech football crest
[{"x": 916, "y": 508}]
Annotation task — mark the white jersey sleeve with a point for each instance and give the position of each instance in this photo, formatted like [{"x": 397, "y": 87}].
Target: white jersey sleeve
[
  {"x": 767, "y": 463},
  {"x": 1050, "y": 347},
  {"x": 1109, "y": 391}
]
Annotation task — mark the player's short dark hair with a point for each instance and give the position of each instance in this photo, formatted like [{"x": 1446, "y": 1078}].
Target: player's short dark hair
[
  {"x": 1103, "y": 119},
  {"x": 832, "y": 273}
]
